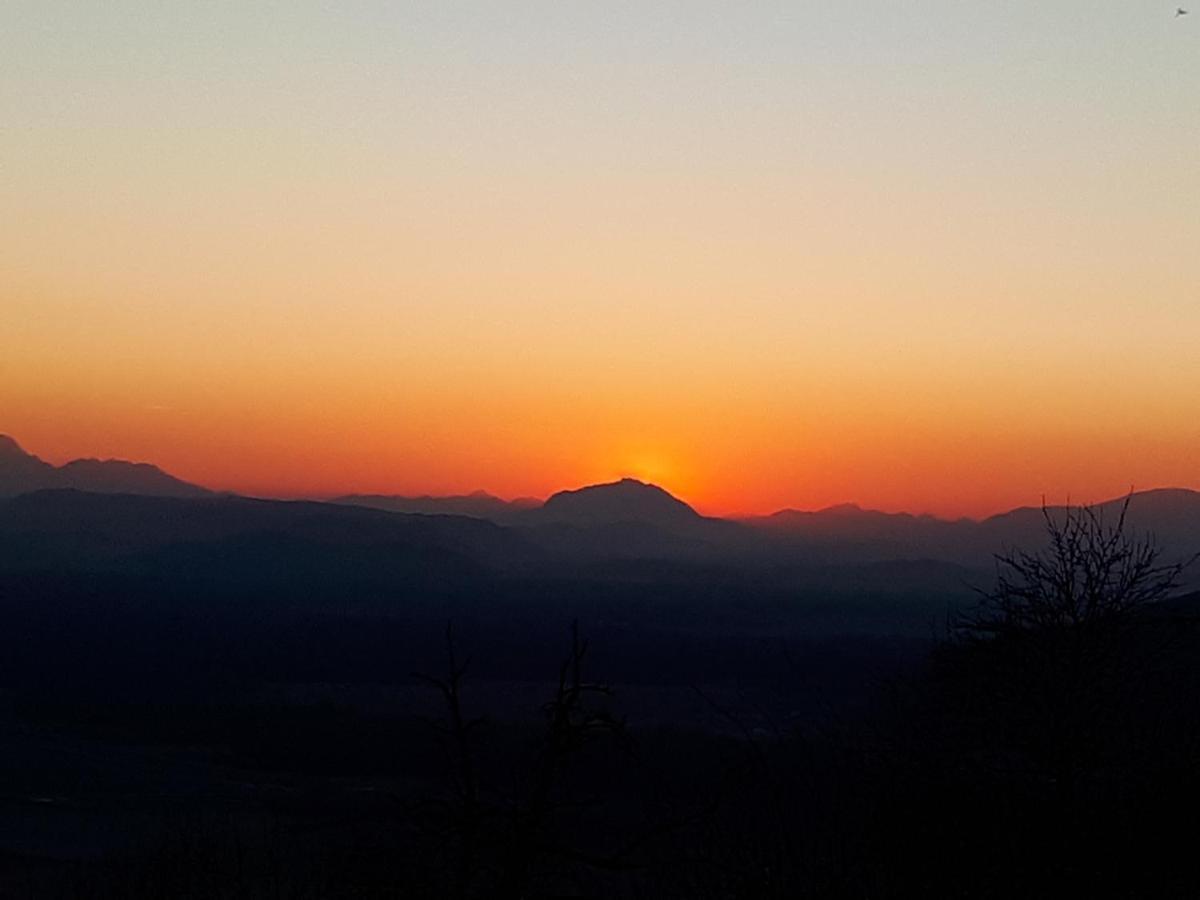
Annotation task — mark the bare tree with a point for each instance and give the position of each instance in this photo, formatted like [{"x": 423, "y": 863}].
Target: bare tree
[
  {"x": 1057, "y": 649},
  {"x": 1091, "y": 573},
  {"x": 466, "y": 812},
  {"x": 507, "y": 840}
]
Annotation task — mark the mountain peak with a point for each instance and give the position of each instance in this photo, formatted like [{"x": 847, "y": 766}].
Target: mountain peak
[
  {"x": 119, "y": 476},
  {"x": 9, "y": 447},
  {"x": 844, "y": 509},
  {"x": 477, "y": 504},
  {"x": 626, "y": 500},
  {"x": 22, "y": 473}
]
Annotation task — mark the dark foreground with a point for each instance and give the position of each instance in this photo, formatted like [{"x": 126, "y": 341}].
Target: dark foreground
[
  {"x": 953, "y": 772},
  {"x": 280, "y": 717}
]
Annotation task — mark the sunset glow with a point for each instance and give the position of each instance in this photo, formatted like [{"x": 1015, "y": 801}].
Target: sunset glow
[{"x": 817, "y": 254}]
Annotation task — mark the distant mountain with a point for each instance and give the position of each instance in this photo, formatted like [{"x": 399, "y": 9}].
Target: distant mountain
[
  {"x": 622, "y": 520},
  {"x": 627, "y": 500},
  {"x": 116, "y": 476},
  {"x": 1171, "y": 516},
  {"x": 226, "y": 536},
  {"x": 849, "y": 521},
  {"x": 22, "y": 473},
  {"x": 629, "y": 519},
  {"x": 629, "y": 503},
  {"x": 847, "y": 532},
  {"x": 479, "y": 505}
]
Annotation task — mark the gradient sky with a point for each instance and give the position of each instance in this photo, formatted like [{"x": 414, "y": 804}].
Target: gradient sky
[{"x": 936, "y": 256}]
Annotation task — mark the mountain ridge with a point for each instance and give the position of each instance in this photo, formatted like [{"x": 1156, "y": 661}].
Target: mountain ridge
[
  {"x": 22, "y": 472},
  {"x": 614, "y": 502},
  {"x": 477, "y": 504},
  {"x": 630, "y": 518}
]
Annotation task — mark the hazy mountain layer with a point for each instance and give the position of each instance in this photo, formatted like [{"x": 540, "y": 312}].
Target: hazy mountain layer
[{"x": 21, "y": 473}]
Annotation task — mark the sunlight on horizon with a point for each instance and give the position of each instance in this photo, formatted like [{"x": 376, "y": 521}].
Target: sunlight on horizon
[{"x": 925, "y": 256}]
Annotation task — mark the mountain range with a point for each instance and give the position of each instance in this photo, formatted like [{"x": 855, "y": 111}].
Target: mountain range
[
  {"x": 22, "y": 473},
  {"x": 478, "y": 504},
  {"x": 629, "y": 520}
]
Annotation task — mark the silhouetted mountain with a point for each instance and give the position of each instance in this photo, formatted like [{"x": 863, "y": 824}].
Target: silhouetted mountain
[
  {"x": 847, "y": 519},
  {"x": 81, "y": 528},
  {"x": 252, "y": 661},
  {"x": 627, "y": 500},
  {"x": 22, "y": 473},
  {"x": 479, "y": 504},
  {"x": 629, "y": 519},
  {"x": 116, "y": 476},
  {"x": 848, "y": 533},
  {"x": 1171, "y": 515}
]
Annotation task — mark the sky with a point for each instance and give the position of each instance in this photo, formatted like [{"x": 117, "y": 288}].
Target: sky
[{"x": 928, "y": 256}]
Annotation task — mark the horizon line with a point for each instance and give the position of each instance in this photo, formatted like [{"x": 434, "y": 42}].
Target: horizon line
[{"x": 269, "y": 493}]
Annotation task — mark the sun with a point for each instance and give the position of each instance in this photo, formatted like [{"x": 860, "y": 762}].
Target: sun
[
  {"x": 652, "y": 462},
  {"x": 652, "y": 468}
]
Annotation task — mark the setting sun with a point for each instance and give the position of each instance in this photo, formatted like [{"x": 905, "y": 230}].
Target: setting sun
[
  {"x": 642, "y": 448},
  {"x": 427, "y": 261}
]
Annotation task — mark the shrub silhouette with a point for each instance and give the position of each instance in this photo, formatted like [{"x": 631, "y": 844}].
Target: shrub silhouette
[
  {"x": 1055, "y": 653},
  {"x": 1092, "y": 574}
]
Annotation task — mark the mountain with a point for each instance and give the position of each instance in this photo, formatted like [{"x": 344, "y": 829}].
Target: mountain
[
  {"x": 851, "y": 524},
  {"x": 849, "y": 533},
  {"x": 22, "y": 473},
  {"x": 626, "y": 519},
  {"x": 116, "y": 476},
  {"x": 623, "y": 519},
  {"x": 227, "y": 536},
  {"x": 627, "y": 500},
  {"x": 629, "y": 519},
  {"x": 479, "y": 505},
  {"x": 1171, "y": 516}
]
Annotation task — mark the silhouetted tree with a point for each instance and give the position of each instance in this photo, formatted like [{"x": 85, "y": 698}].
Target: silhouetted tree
[
  {"x": 506, "y": 841},
  {"x": 465, "y": 812},
  {"x": 1091, "y": 573},
  {"x": 1053, "y": 656}
]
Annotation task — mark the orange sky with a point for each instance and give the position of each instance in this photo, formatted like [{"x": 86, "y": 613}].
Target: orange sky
[{"x": 762, "y": 259}]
